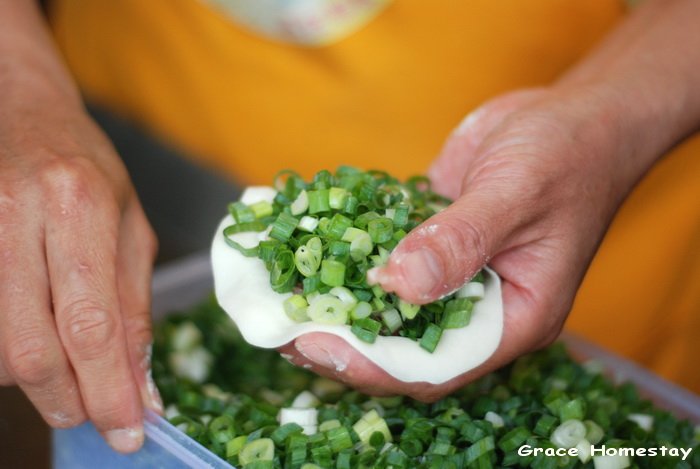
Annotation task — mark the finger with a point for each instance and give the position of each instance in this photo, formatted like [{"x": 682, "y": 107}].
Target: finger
[
  {"x": 449, "y": 248},
  {"x": 332, "y": 357},
  {"x": 82, "y": 227},
  {"x": 137, "y": 249},
  {"x": 31, "y": 354}
]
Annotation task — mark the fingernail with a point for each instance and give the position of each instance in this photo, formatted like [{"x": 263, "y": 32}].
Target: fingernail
[
  {"x": 321, "y": 356},
  {"x": 153, "y": 393},
  {"x": 125, "y": 440},
  {"x": 155, "y": 401},
  {"x": 422, "y": 271}
]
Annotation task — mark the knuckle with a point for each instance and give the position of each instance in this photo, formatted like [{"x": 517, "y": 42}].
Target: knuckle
[
  {"x": 90, "y": 329},
  {"x": 64, "y": 420},
  {"x": 31, "y": 359}
]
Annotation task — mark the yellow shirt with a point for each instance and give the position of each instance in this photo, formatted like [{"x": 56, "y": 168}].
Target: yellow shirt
[{"x": 386, "y": 97}]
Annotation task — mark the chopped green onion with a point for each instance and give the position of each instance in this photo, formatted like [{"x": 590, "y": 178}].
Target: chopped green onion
[
  {"x": 283, "y": 227},
  {"x": 380, "y": 230},
  {"x": 262, "y": 449},
  {"x": 300, "y": 204},
  {"x": 332, "y": 272},
  {"x": 568, "y": 434},
  {"x": 241, "y": 212},
  {"x": 328, "y": 309},
  {"x": 361, "y": 310},
  {"x": 370, "y": 423},
  {"x": 431, "y": 337},
  {"x": 318, "y": 201},
  {"x": 295, "y": 308},
  {"x": 366, "y": 329},
  {"x": 337, "y": 197},
  {"x": 262, "y": 209},
  {"x": 457, "y": 313},
  {"x": 392, "y": 319}
]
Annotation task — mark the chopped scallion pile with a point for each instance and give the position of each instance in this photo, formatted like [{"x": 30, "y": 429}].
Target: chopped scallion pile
[
  {"x": 254, "y": 409},
  {"x": 324, "y": 235}
]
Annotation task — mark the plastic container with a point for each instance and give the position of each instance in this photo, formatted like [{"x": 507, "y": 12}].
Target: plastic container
[{"x": 184, "y": 283}]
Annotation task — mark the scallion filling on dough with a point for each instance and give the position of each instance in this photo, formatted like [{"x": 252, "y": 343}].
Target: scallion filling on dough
[{"x": 324, "y": 235}]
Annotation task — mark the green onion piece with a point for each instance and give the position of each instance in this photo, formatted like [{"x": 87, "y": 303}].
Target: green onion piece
[
  {"x": 344, "y": 295},
  {"x": 338, "y": 249},
  {"x": 283, "y": 274},
  {"x": 392, "y": 320},
  {"x": 311, "y": 284},
  {"x": 472, "y": 290},
  {"x": 545, "y": 425},
  {"x": 318, "y": 201},
  {"x": 360, "y": 243},
  {"x": 307, "y": 258},
  {"x": 262, "y": 449},
  {"x": 363, "y": 220},
  {"x": 366, "y": 329},
  {"x": 479, "y": 277},
  {"x": 368, "y": 424},
  {"x": 351, "y": 204},
  {"x": 408, "y": 310},
  {"x": 329, "y": 425},
  {"x": 594, "y": 433},
  {"x": 322, "y": 179},
  {"x": 337, "y": 226},
  {"x": 308, "y": 224},
  {"x": 568, "y": 434},
  {"x": 300, "y": 204},
  {"x": 283, "y": 227},
  {"x": 337, "y": 196},
  {"x": 234, "y": 446},
  {"x": 431, "y": 337},
  {"x": 241, "y": 212},
  {"x": 332, "y": 272},
  {"x": 295, "y": 308},
  {"x": 339, "y": 439},
  {"x": 458, "y": 313},
  {"x": 262, "y": 209},
  {"x": 361, "y": 310},
  {"x": 247, "y": 252},
  {"x": 222, "y": 429},
  {"x": 380, "y": 230},
  {"x": 362, "y": 295},
  {"x": 575, "y": 409},
  {"x": 513, "y": 439},
  {"x": 400, "y": 218},
  {"x": 267, "y": 250},
  {"x": 327, "y": 309},
  {"x": 479, "y": 449},
  {"x": 281, "y": 433},
  {"x": 296, "y": 450},
  {"x": 322, "y": 456}
]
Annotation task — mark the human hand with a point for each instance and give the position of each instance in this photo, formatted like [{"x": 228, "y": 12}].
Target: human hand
[
  {"x": 76, "y": 255},
  {"x": 536, "y": 178}
]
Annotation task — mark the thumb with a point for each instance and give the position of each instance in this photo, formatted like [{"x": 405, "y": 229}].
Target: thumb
[{"x": 447, "y": 250}]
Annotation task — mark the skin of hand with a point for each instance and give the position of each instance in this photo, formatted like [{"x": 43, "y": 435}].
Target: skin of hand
[
  {"x": 537, "y": 176},
  {"x": 76, "y": 251},
  {"x": 534, "y": 191}
]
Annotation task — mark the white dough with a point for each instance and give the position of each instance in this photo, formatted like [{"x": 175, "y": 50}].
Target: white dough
[{"x": 242, "y": 286}]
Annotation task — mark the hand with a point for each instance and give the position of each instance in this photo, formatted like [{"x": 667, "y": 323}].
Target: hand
[
  {"x": 76, "y": 255},
  {"x": 535, "y": 180}
]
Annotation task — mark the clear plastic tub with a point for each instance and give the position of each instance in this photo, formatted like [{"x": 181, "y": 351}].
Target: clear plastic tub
[{"x": 184, "y": 283}]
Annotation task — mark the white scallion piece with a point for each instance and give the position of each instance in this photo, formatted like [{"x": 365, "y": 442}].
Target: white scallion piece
[{"x": 472, "y": 290}]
